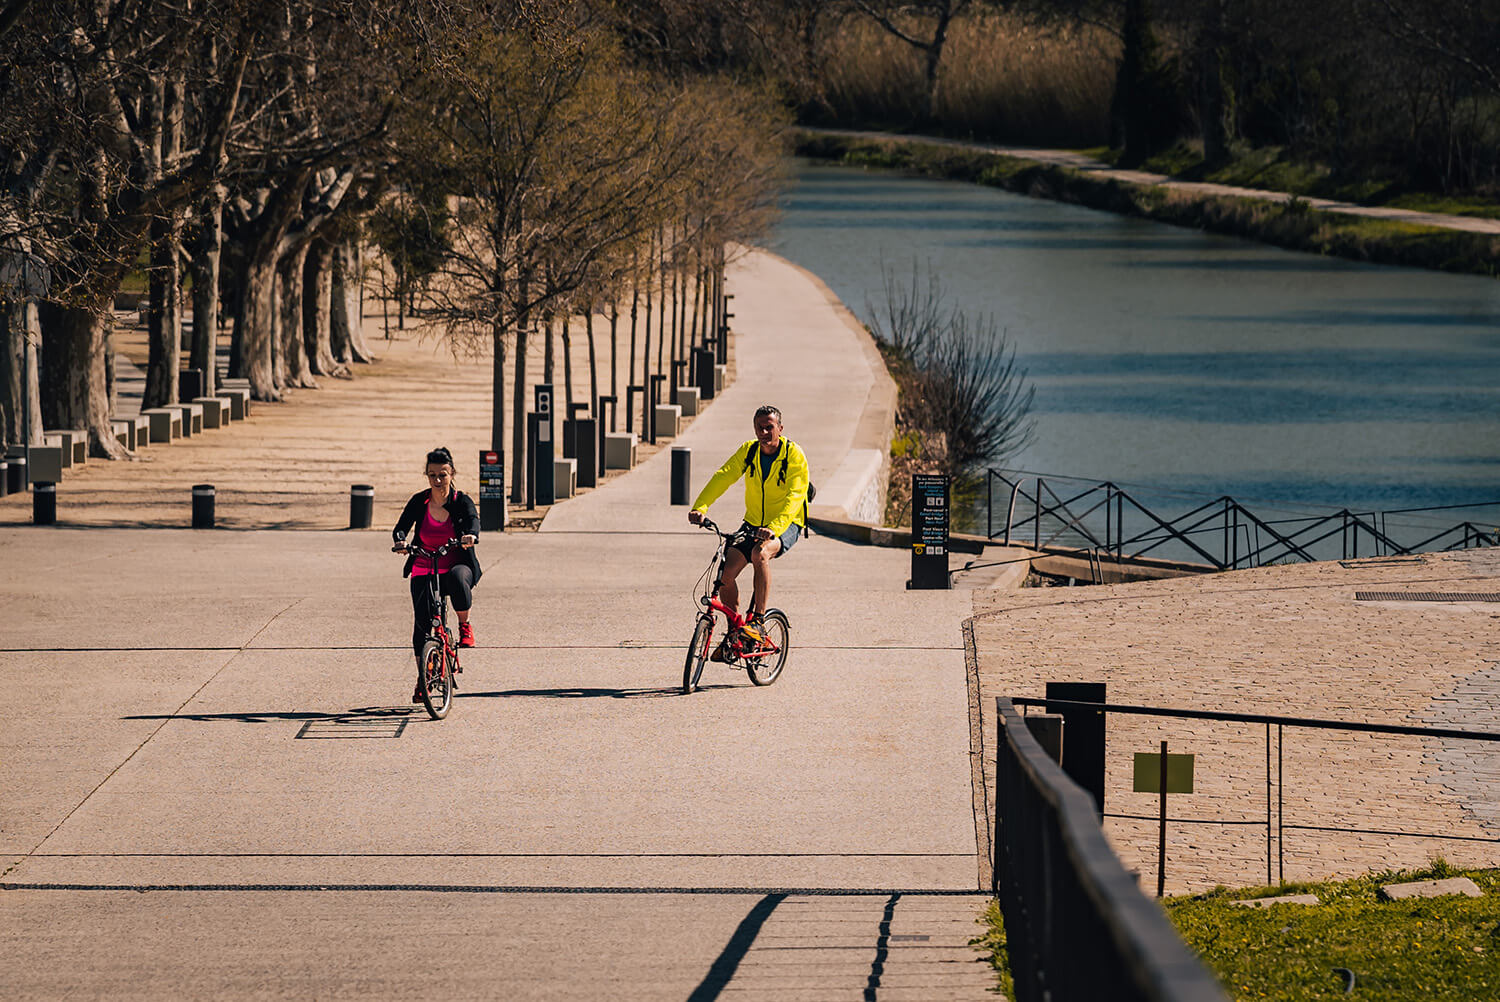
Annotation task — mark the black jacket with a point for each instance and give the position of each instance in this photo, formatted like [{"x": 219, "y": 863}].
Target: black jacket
[{"x": 465, "y": 523}]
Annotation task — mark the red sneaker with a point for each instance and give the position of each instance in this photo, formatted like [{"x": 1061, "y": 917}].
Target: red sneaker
[{"x": 465, "y": 635}]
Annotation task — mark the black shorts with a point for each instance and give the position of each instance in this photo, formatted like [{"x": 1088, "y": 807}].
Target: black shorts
[{"x": 745, "y": 541}]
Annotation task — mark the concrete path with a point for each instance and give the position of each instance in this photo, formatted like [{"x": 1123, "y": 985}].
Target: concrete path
[
  {"x": 1081, "y": 162},
  {"x": 216, "y": 785}
]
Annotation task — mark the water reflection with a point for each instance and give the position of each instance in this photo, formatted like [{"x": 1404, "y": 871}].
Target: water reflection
[{"x": 1172, "y": 357}]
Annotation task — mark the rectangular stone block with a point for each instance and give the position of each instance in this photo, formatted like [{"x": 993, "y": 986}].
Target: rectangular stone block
[
  {"x": 564, "y": 478},
  {"x": 192, "y": 418},
  {"x": 1432, "y": 889},
  {"x": 73, "y": 442},
  {"x": 619, "y": 450},
  {"x": 1285, "y": 899},
  {"x": 166, "y": 423},
  {"x": 721, "y": 375},
  {"x": 124, "y": 432},
  {"x": 215, "y": 411},
  {"x": 239, "y": 401},
  {"x": 142, "y": 431},
  {"x": 668, "y": 420},
  {"x": 687, "y": 399},
  {"x": 44, "y": 464}
]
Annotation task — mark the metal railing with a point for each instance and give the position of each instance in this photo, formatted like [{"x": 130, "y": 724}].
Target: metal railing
[
  {"x": 1049, "y": 513},
  {"x": 1276, "y": 826},
  {"x": 1076, "y": 925}
]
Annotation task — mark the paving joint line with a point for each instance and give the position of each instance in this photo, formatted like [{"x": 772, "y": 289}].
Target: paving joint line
[{"x": 147, "y": 739}]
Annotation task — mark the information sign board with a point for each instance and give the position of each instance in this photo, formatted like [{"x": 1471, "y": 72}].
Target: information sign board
[
  {"x": 491, "y": 490},
  {"x": 929, "y": 530}
]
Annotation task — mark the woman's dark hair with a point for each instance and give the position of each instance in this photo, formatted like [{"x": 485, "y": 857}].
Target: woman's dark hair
[{"x": 441, "y": 455}]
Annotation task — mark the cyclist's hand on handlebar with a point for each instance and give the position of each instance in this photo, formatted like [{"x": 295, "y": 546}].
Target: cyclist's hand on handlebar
[
  {"x": 399, "y": 548},
  {"x": 695, "y": 516},
  {"x": 467, "y": 542},
  {"x": 763, "y": 534}
]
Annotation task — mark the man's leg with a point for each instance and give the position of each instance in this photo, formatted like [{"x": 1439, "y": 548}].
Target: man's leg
[
  {"x": 729, "y": 591},
  {"x": 761, "y": 557}
]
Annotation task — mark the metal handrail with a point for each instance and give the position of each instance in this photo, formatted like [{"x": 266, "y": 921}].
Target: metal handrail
[
  {"x": 1065, "y": 895},
  {"x": 1265, "y": 540}
]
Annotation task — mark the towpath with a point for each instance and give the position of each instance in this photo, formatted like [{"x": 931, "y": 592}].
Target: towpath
[{"x": 1083, "y": 162}]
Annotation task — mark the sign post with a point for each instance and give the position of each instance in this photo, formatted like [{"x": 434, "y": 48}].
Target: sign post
[
  {"x": 491, "y": 490},
  {"x": 929, "y": 531},
  {"x": 545, "y": 428},
  {"x": 1162, "y": 774}
]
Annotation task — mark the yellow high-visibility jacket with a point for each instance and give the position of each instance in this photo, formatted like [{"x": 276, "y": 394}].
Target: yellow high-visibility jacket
[{"x": 774, "y": 502}]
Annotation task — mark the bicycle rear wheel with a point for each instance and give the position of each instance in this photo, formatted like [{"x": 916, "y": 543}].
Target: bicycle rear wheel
[
  {"x": 766, "y": 668},
  {"x": 435, "y": 680},
  {"x": 697, "y": 653}
]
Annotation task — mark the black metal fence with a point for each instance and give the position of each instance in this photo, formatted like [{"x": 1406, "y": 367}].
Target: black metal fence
[
  {"x": 1275, "y": 724},
  {"x": 1077, "y": 927},
  {"x": 1048, "y": 512}
]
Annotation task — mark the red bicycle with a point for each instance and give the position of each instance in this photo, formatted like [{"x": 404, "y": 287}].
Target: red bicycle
[
  {"x": 762, "y": 660},
  {"x": 438, "y": 662}
]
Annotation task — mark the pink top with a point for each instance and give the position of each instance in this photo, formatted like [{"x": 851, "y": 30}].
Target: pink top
[{"x": 431, "y": 534}]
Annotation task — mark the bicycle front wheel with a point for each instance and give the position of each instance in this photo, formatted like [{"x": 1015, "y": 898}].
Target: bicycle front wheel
[
  {"x": 765, "y": 661},
  {"x": 435, "y": 680},
  {"x": 697, "y": 653}
]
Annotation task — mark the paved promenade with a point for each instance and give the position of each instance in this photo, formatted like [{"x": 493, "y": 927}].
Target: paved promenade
[
  {"x": 1293, "y": 641},
  {"x": 215, "y": 785}
]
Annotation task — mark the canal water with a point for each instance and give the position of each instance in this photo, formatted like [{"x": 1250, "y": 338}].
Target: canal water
[{"x": 1183, "y": 360}]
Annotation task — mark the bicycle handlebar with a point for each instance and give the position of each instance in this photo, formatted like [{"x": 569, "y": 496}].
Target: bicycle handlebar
[{"x": 417, "y": 549}]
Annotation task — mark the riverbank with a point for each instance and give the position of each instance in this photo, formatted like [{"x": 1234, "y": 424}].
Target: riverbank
[{"x": 1462, "y": 244}]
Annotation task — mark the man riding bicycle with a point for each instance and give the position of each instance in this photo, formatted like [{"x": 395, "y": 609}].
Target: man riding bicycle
[{"x": 776, "y": 480}]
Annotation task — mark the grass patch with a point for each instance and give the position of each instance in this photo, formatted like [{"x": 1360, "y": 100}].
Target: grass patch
[
  {"x": 992, "y": 941},
  {"x": 1428, "y": 949}
]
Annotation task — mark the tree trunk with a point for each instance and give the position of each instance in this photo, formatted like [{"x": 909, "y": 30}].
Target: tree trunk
[
  {"x": 614, "y": 361},
  {"x": 497, "y": 385},
  {"x": 255, "y": 325},
  {"x": 547, "y": 351},
  {"x": 206, "y": 252},
  {"x": 74, "y": 392},
  {"x": 317, "y": 309},
  {"x": 163, "y": 315},
  {"x": 1213, "y": 100},
  {"x": 293, "y": 348},
  {"x": 635, "y": 299},
  {"x": 588, "y": 329},
  {"x": 345, "y": 324},
  {"x": 20, "y": 333},
  {"x": 518, "y": 420},
  {"x": 567, "y": 343}
]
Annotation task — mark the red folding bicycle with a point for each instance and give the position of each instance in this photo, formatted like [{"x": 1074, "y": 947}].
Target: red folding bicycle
[{"x": 763, "y": 659}]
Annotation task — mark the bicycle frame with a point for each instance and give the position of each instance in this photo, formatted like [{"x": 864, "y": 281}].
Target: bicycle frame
[
  {"x": 713, "y": 578},
  {"x": 438, "y": 628}
]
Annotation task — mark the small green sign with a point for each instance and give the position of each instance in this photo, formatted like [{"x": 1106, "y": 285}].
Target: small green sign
[{"x": 1148, "y": 773}]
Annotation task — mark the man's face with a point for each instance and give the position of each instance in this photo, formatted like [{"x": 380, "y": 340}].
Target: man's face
[{"x": 768, "y": 432}]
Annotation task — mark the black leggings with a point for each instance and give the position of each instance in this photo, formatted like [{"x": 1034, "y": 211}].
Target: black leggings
[{"x": 457, "y": 583}]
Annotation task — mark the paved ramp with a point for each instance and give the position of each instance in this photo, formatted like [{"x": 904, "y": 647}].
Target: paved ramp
[{"x": 215, "y": 785}]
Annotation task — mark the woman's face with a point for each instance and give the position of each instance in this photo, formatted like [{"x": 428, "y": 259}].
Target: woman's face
[{"x": 439, "y": 476}]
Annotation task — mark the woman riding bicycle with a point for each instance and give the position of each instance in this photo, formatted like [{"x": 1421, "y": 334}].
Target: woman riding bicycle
[{"x": 440, "y": 514}]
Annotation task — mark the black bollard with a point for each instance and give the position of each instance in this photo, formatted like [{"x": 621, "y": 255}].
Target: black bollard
[
  {"x": 4, "y": 477},
  {"x": 203, "y": 506},
  {"x": 17, "y": 478},
  {"x": 43, "y": 503},
  {"x": 681, "y": 460},
  {"x": 361, "y": 505}
]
